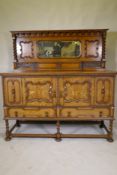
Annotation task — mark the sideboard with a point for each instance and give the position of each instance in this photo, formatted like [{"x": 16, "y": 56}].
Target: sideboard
[{"x": 59, "y": 76}]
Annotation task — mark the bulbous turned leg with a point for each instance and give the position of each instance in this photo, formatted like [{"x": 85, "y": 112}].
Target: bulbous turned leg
[
  {"x": 8, "y": 135},
  {"x": 8, "y": 138},
  {"x": 58, "y": 137},
  {"x": 101, "y": 124},
  {"x": 110, "y": 134},
  {"x": 58, "y": 134},
  {"x": 18, "y": 123}
]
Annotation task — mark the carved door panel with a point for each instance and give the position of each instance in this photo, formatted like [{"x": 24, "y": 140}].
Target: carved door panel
[
  {"x": 76, "y": 91},
  {"x": 104, "y": 91},
  {"x": 12, "y": 91},
  {"x": 39, "y": 91}
]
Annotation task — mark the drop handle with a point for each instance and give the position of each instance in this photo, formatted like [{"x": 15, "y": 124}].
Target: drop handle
[{"x": 100, "y": 113}]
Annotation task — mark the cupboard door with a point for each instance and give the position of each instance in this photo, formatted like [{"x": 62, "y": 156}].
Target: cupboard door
[
  {"x": 39, "y": 91},
  {"x": 104, "y": 91},
  {"x": 76, "y": 91},
  {"x": 12, "y": 91}
]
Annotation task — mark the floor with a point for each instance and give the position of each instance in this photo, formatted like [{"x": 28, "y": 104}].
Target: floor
[{"x": 27, "y": 156}]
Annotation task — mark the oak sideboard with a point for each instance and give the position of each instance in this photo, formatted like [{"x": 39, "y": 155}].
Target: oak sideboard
[{"x": 59, "y": 76}]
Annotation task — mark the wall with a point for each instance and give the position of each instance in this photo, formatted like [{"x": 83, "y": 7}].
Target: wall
[{"x": 56, "y": 14}]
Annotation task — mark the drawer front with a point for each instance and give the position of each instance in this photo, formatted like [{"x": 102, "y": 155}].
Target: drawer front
[
  {"x": 71, "y": 66},
  {"x": 30, "y": 113},
  {"x": 85, "y": 113},
  {"x": 12, "y": 91},
  {"x": 49, "y": 66}
]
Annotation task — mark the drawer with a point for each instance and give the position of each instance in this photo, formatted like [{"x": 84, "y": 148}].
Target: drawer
[
  {"x": 29, "y": 113},
  {"x": 47, "y": 66},
  {"x": 68, "y": 66},
  {"x": 85, "y": 113},
  {"x": 71, "y": 66}
]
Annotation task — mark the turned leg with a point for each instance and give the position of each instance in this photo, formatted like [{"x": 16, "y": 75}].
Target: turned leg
[
  {"x": 102, "y": 124},
  {"x": 58, "y": 134},
  {"x": 110, "y": 134},
  {"x": 18, "y": 123},
  {"x": 8, "y": 135}
]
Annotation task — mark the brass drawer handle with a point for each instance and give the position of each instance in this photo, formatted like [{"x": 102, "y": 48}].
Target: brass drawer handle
[
  {"x": 100, "y": 113},
  {"x": 69, "y": 114},
  {"x": 46, "y": 114}
]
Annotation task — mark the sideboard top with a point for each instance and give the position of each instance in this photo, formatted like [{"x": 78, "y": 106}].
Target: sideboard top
[{"x": 23, "y": 72}]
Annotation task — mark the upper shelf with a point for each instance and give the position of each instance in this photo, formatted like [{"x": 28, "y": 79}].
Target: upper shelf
[{"x": 50, "y": 49}]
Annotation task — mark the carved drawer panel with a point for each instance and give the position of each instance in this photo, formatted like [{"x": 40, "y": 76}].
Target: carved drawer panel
[
  {"x": 76, "y": 91},
  {"x": 71, "y": 66},
  {"x": 30, "y": 113},
  {"x": 39, "y": 91},
  {"x": 47, "y": 66},
  {"x": 90, "y": 113},
  {"x": 12, "y": 91},
  {"x": 103, "y": 91}
]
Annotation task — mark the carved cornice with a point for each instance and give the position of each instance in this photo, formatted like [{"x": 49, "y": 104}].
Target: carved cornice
[{"x": 60, "y": 33}]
